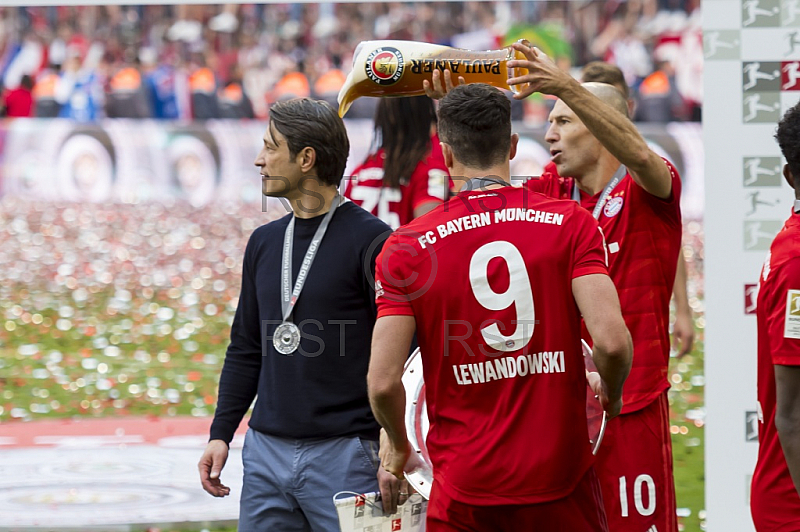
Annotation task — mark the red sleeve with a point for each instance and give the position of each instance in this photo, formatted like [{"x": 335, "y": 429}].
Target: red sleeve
[
  {"x": 392, "y": 272},
  {"x": 669, "y": 206},
  {"x": 430, "y": 182},
  {"x": 783, "y": 322},
  {"x": 589, "y": 250}
]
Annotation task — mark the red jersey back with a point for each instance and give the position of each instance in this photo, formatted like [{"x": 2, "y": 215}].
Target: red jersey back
[
  {"x": 488, "y": 277},
  {"x": 643, "y": 234},
  {"x": 774, "y": 500},
  {"x": 430, "y": 181}
]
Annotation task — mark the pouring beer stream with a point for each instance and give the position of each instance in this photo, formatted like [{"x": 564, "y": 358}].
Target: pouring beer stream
[{"x": 391, "y": 68}]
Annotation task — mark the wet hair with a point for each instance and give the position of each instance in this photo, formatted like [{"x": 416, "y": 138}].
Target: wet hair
[
  {"x": 403, "y": 130},
  {"x": 603, "y": 72},
  {"x": 308, "y": 123},
  {"x": 475, "y": 121},
  {"x": 788, "y": 136}
]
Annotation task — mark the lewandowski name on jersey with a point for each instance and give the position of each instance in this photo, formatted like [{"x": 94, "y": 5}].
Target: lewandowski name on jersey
[{"x": 509, "y": 367}]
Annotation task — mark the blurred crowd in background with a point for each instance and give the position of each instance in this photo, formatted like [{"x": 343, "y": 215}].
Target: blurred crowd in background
[
  {"x": 232, "y": 61},
  {"x": 115, "y": 309}
]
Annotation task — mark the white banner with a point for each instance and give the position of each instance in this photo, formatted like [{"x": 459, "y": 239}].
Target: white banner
[{"x": 752, "y": 76}]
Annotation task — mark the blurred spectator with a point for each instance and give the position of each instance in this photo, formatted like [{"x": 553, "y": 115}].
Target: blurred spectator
[
  {"x": 203, "y": 89},
  {"x": 79, "y": 91},
  {"x": 128, "y": 97},
  {"x": 289, "y": 50},
  {"x": 232, "y": 100},
  {"x": 159, "y": 79},
  {"x": 294, "y": 84},
  {"x": 19, "y": 102},
  {"x": 44, "y": 95},
  {"x": 659, "y": 100}
]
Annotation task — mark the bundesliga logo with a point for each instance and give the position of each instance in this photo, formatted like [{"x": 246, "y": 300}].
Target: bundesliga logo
[{"x": 385, "y": 65}]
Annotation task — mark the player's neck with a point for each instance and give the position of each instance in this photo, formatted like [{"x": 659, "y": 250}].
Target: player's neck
[
  {"x": 594, "y": 181},
  {"x": 461, "y": 174},
  {"x": 314, "y": 199}
]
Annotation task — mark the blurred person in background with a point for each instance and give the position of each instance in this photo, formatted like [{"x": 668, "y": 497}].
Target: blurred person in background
[
  {"x": 44, "y": 94},
  {"x": 128, "y": 96},
  {"x": 203, "y": 89},
  {"x": 159, "y": 79},
  {"x": 19, "y": 102},
  {"x": 302, "y": 353},
  {"x": 79, "y": 90},
  {"x": 775, "y": 493},
  {"x": 405, "y": 177},
  {"x": 232, "y": 99}
]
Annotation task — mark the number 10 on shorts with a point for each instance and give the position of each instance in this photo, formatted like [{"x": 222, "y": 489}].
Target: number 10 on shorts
[{"x": 638, "y": 499}]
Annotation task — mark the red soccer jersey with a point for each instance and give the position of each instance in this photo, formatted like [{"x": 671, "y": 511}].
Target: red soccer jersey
[
  {"x": 430, "y": 181},
  {"x": 643, "y": 234},
  {"x": 774, "y": 500},
  {"x": 488, "y": 276}
]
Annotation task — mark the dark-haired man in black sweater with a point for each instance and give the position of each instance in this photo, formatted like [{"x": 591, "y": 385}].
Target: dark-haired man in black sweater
[{"x": 300, "y": 338}]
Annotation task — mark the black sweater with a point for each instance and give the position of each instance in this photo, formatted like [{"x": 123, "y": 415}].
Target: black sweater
[{"x": 321, "y": 389}]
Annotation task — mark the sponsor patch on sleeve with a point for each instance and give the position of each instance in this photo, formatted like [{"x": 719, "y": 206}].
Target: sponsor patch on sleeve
[{"x": 792, "y": 326}]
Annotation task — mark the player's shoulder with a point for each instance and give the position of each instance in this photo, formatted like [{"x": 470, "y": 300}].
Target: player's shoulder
[{"x": 786, "y": 244}]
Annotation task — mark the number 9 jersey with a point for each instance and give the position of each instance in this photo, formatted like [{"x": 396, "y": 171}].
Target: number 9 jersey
[{"x": 488, "y": 277}]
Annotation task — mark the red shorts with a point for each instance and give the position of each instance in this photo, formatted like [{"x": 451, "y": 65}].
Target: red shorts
[
  {"x": 580, "y": 511},
  {"x": 634, "y": 464}
]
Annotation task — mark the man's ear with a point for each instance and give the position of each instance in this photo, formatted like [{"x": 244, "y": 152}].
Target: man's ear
[
  {"x": 447, "y": 152},
  {"x": 306, "y": 159},
  {"x": 787, "y": 174},
  {"x": 513, "y": 151}
]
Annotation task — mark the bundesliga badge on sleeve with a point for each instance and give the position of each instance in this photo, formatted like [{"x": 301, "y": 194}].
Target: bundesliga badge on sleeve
[{"x": 286, "y": 338}]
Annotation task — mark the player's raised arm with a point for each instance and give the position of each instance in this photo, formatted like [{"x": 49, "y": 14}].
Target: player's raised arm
[
  {"x": 603, "y": 110},
  {"x": 597, "y": 300}
]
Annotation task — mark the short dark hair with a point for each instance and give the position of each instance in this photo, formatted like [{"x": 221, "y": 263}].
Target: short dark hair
[
  {"x": 314, "y": 124},
  {"x": 475, "y": 121},
  {"x": 603, "y": 72},
  {"x": 788, "y": 137}
]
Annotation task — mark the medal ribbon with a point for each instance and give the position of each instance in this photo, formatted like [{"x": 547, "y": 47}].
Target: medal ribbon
[
  {"x": 290, "y": 298},
  {"x": 615, "y": 179}
]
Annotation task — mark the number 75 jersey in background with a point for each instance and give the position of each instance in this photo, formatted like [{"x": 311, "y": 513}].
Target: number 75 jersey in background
[{"x": 488, "y": 278}]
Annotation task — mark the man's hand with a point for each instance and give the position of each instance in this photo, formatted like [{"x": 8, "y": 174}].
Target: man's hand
[
  {"x": 683, "y": 333},
  {"x": 434, "y": 89},
  {"x": 393, "y": 458},
  {"x": 394, "y": 492},
  {"x": 612, "y": 407},
  {"x": 210, "y": 467},
  {"x": 543, "y": 74}
]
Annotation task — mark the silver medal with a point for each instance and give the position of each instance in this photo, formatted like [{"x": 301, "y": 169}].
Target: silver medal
[{"x": 286, "y": 338}]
